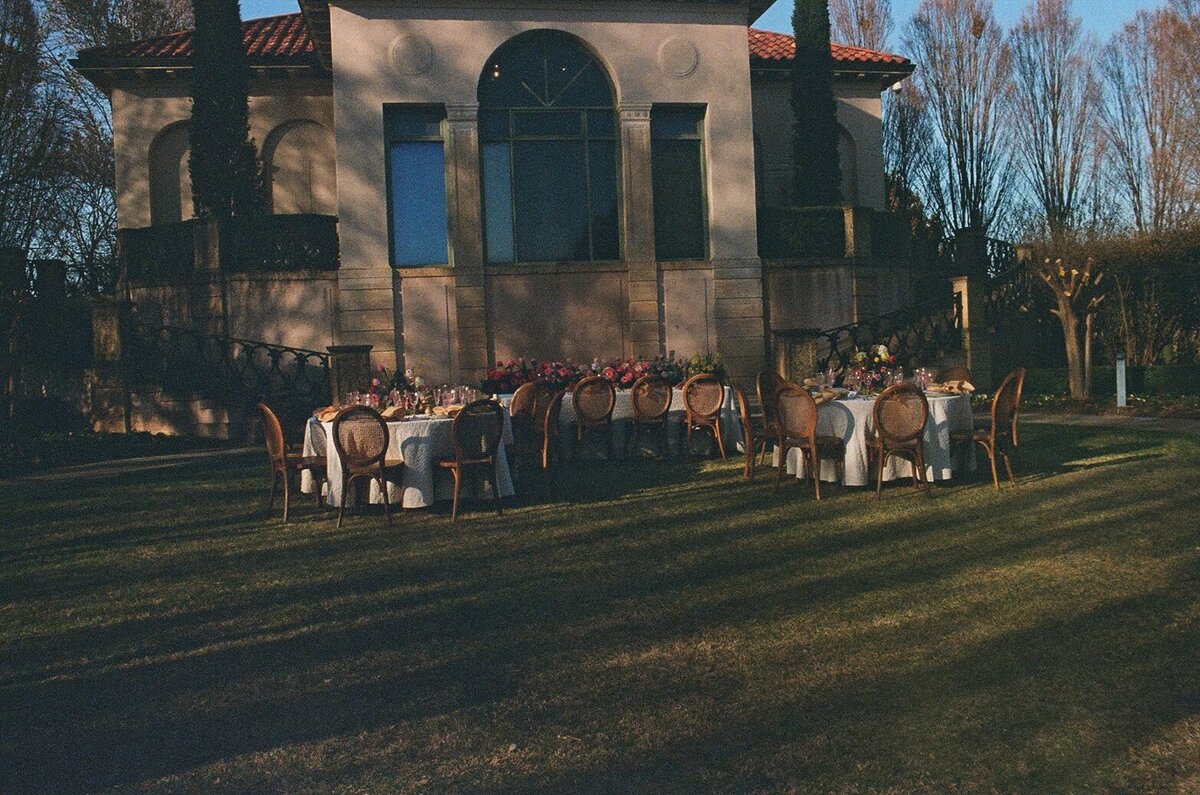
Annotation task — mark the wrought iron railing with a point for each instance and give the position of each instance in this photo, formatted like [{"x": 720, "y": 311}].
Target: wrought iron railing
[
  {"x": 917, "y": 336},
  {"x": 1001, "y": 258},
  {"x": 229, "y": 369}
]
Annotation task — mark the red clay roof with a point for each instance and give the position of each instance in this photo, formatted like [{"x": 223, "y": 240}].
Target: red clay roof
[
  {"x": 766, "y": 45},
  {"x": 284, "y": 40},
  {"x": 280, "y": 40}
]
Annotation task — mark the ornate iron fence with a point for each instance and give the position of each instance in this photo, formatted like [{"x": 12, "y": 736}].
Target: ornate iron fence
[
  {"x": 917, "y": 336},
  {"x": 229, "y": 369}
]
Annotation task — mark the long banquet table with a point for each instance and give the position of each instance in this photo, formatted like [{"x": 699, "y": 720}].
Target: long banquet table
[
  {"x": 852, "y": 421},
  {"x": 731, "y": 427},
  {"x": 419, "y": 442}
]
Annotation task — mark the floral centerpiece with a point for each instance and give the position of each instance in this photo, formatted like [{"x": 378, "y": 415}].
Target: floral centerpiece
[
  {"x": 871, "y": 368},
  {"x": 504, "y": 378},
  {"x": 709, "y": 363}
]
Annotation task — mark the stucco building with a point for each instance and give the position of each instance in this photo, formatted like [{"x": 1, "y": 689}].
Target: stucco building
[{"x": 560, "y": 179}]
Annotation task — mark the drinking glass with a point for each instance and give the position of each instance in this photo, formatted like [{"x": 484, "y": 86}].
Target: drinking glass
[{"x": 352, "y": 398}]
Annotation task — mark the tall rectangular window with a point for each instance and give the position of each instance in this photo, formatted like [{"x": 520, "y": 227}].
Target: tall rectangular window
[
  {"x": 677, "y": 176},
  {"x": 416, "y": 180}
]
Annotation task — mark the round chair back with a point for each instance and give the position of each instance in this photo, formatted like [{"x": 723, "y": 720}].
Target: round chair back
[
  {"x": 594, "y": 399},
  {"x": 360, "y": 437},
  {"x": 901, "y": 412},
  {"x": 704, "y": 395},
  {"x": 796, "y": 413},
  {"x": 477, "y": 430},
  {"x": 272, "y": 434},
  {"x": 651, "y": 398},
  {"x": 957, "y": 372},
  {"x": 551, "y": 417},
  {"x": 1004, "y": 405},
  {"x": 523, "y": 399},
  {"x": 767, "y": 384}
]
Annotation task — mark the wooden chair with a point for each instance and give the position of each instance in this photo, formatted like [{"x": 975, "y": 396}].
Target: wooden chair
[
  {"x": 704, "y": 398},
  {"x": 766, "y": 385},
  {"x": 900, "y": 414},
  {"x": 527, "y": 411},
  {"x": 957, "y": 372},
  {"x": 360, "y": 437},
  {"x": 651, "y": 398},
  {"x": 997, "y": 435},
  {"x": 285, "y": 464},
  {"x": 477, "y": 431},
  {"x": 752, "y": 438},
  {"x": 551, "y": 442},
  {"x": 594, "y": 399},
  {"x": 796, "y": 421}
]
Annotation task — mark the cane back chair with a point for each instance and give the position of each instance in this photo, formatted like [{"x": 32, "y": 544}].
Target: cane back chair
[
  {"x": 477, "y": 431},
  {"x": 594, "y": 399},
  {"x": 651, "y": 398},
  {"x": 285, "y": 464},
  {"x": 900, "y": 414},
  {"x": 796, "y": 421},
  {"x": 360, "y": 437},
  {"x": 998, "y": 433},
  {"x": 704, "y": 398}
]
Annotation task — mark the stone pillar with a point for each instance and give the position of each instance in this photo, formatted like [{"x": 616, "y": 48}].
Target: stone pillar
[
  {"x": 970, "y": 252},
  {"x": 858, "y": 231},
  {"x": 464, "y": 196},
  {"x": 645, "y": 320},
  {"x": 796, "y": 353},
  {"x": 105, "y": 394},
  {"x": 349, "y": 369},
  {"x": 975, "y": 340}
]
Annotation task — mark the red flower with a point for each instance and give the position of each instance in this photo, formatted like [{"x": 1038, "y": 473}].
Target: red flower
[
  {"x": 564, "y": 372},
  {"x": 610, "y": 373},
  {"x": 627, "y": 378},
  {"x": 892, "y": 359}
]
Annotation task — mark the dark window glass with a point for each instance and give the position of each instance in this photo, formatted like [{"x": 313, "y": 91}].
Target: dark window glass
[
  {"x": 677, "y": 168},
  {"x": 549, "y": 159},
  {"x": 416, "y": 161}
]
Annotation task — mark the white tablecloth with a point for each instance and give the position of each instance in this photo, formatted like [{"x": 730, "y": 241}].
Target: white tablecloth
[
  {"x": 851, "y": 421},
  {"x": 419, "y": 443},
  {"x": 731, "y": 427}
]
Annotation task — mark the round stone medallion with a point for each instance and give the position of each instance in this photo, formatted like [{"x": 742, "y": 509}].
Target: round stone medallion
[
  {"x": 678, "y": 57},
  {"x": 411, "y": 54}
]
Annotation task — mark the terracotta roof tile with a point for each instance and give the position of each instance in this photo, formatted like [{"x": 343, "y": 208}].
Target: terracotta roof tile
[
  {"x": 766, "y": 45},
  {"x": 285, "y": 40}
]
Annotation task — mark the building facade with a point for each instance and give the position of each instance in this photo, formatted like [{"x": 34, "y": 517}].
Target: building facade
[{"x": 554, "y": 179}]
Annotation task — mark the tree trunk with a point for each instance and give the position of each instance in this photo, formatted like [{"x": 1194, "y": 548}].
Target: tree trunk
[
  {"x": 1087, "y": 355},
  {"x": 1075, "y": 366}
]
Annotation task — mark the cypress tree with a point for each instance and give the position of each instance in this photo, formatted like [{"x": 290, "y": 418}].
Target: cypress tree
[
  {"x": 226, "y": 171},
  {"x": 817, "y": 179}
]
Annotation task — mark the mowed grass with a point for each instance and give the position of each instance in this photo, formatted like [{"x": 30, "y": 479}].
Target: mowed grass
[{"x": 652, "y": 627}]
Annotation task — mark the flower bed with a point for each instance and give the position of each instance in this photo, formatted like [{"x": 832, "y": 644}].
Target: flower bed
[{"x": 506, "y": 377}]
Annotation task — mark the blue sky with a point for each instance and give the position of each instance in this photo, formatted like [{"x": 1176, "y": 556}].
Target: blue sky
[{"x": 1101, "y": 16}]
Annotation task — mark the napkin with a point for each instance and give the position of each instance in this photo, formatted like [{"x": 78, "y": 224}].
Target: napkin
[
  {"x": 326, "y": 414},
  {"x": 952, "y": 388},
  {"x": 392, "y": 412}
]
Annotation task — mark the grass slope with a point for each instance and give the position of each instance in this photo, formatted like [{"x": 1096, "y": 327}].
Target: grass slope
[{"x": 664, "y": 626}]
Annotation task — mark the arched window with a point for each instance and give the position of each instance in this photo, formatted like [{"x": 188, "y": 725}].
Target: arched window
[
  {"x": 299, "y": 157},
  {"x": 548, "y": 130},
  {"x": 170, "y": 179}
]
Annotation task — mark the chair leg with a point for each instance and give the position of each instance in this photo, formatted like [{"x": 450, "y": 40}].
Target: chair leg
[
  {"x": 1008, "y": 466},
  {"x": 387, "y": 501},
  {"x": 922, "y": 474},
  {"x": 751, "y": 454},
  {"x": 274, "y": 485},
  {"x": 287, "y": 493},
  {"x": 816, "y": 472},
  {"x": 716, "y": 429},
  {"x": 782, "y": 450},
  {"x": 687, "y": 442},
  {"x": 991, "y": 451},
  {"x": 346, "y": 483},
  {"x": 496, "y": 491},
  {"x": 879, "y": 474},
  {"x": 457, "y": 487}
]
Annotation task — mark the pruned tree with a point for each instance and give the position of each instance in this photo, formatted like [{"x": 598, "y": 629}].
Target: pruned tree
[
  {"x": 226, "y": 171},
  {"x": 1077, "y": 294},
  {"x": 817, "y": 177},
  {"x": 861, "y": 23},
  {"x": 964, "y": 76},
  {"x": 1055, "y": 106},
  {"x": 1149, "y": 123}
]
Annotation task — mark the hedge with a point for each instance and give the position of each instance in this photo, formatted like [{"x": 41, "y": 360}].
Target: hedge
[{"x": 1164, "y": 381}]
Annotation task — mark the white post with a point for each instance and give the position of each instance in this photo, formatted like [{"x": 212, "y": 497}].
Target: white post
[{"x": 1120, "y": 380}]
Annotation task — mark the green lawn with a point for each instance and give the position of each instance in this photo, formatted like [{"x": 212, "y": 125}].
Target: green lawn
[{"x": 654, "y": 627}]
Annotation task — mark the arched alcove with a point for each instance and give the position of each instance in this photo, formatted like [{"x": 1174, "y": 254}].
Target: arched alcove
[
  {"x": 170, "y": 179},
  {"x": 298, "y": 156},
  {"x": 848, "y": 161}
]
